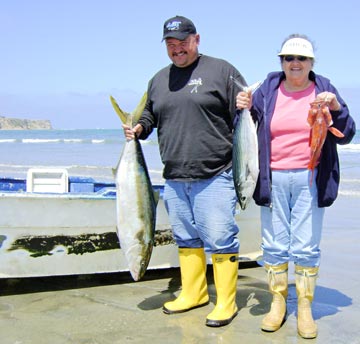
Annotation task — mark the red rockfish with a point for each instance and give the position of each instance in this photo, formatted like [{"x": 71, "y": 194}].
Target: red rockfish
[{"x": 320, "y": 121}]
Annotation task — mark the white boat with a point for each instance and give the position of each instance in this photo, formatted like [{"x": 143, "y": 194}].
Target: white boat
[{"x": 53, "y": 224}]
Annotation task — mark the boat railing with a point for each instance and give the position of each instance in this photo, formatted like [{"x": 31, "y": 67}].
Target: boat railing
[{"x": 75, "y": 185}]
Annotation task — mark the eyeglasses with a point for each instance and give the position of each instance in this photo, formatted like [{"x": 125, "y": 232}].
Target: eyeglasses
[{"x": 289, "y": 58}]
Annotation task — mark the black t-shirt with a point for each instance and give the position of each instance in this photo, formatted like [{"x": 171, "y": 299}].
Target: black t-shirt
[{"x": 193, "y": 109}]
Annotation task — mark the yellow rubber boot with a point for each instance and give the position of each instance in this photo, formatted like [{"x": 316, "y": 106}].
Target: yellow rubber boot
[
  {"x": 305, "y": 288},
  {"x": 225, "y": 277},
  {"x": 193, "y": 282},
  {"x": 278, "y": 286}
]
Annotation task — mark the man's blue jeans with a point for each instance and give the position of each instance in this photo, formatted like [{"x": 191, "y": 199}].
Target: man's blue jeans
[{"x": 202, "y": 213}]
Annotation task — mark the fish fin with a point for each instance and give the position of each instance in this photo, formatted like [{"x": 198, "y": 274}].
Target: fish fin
[
  {"x": 336, "y": 132},
  {"x": 156, "y": 196},
  {"x": 252, "y": 88},
  {"x": 256, "y": 124},
  {"x": 136, "y": 114},
  {"x": 237, "y": 83},
  {"x": 122, "y": 114},
  {"x": 244, "y": 88},
  {"x": 311, "y": 119}
]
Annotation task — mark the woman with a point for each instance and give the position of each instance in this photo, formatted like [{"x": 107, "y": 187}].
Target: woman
[{"x": 292, "y": 207}]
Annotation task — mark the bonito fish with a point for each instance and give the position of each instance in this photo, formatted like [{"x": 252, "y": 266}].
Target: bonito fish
[
  {"x": 245, "y": 161},
  {"x": 320, "y": 121},
  {"x": 135, "y": 201}
]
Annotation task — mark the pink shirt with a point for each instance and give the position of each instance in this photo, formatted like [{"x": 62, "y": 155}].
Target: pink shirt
[{"x": 290, "y": 131}]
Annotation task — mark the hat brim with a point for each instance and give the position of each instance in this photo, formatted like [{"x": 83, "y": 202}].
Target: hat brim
[
  {"x": 177, "y": 35},
  {"x": 297, "y": 53},
  {"x": 297, "y": 46}
]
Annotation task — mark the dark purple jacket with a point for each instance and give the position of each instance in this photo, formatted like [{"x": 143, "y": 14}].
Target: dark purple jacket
[{"x": 328, "y": 177}]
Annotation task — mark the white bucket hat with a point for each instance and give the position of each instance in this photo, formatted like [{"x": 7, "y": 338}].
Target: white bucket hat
[{"x": 297, "y": 46}]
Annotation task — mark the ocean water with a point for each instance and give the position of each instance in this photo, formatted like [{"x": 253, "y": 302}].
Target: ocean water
[
  {"x": 92, "y": 153},
  {"x": 95, "y": 152}
]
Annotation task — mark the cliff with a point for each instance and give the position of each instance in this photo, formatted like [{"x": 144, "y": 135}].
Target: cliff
[{"x": 25, "y": 124}]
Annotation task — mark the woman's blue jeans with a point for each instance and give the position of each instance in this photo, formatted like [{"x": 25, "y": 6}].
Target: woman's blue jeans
[{"x": 292, "y": 227}]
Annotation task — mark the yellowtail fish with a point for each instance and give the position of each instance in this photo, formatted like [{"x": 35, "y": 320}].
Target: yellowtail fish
[{"x": 135, "y": 199}]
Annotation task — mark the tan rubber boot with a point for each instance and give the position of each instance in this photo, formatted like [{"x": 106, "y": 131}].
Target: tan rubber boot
[
  {"x": 225, "y": 277},
  {"x": 193, "y": 282},
  {"x": 278, "y": 286},
  {"x": 305, "y": 288}
]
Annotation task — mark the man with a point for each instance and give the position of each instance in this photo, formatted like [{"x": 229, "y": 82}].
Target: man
[{"x": 191, "y": 102}]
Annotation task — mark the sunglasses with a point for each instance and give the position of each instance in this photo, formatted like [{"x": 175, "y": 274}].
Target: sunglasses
[{"x": 289, "y": 58}]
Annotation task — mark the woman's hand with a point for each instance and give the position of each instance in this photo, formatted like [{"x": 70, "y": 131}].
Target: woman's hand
[
  {"x": 130, "y": 133},
  {"x": 330, "y": 99},
  {"x": 243, "y": 100}
]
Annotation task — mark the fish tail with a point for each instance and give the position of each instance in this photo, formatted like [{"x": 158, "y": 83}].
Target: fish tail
[
  {"x": 136, "y": 114},
  {"x": 244, "y": 88},
  {"x": 127, "y": 118},
  {"x": 311, "y": 177},
  {"x": 312, "y": 161},
  {"x": 311, "y": 167},
  {"x": 124, "y": 116}
]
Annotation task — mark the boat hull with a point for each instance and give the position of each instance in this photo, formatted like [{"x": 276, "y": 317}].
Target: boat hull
[{"x": 47, "y": 234}]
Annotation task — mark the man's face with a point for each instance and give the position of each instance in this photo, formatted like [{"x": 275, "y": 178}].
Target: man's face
[{"x": 183, "y": 53}]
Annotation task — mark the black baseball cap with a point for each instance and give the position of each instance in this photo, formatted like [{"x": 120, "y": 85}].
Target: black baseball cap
[{"x": 178, "y": 27}]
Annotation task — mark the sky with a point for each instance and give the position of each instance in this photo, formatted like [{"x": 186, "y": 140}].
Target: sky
[{"x": 61, "y": 59}]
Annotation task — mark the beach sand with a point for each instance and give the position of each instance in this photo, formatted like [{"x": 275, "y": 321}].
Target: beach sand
[{"x": 111, "y": 308}]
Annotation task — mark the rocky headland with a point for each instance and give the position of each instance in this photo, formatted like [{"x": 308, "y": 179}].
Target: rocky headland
[{"x": 7, "y": 123}]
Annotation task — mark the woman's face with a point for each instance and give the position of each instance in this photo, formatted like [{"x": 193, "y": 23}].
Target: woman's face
[{"x": 296, "y": 68}]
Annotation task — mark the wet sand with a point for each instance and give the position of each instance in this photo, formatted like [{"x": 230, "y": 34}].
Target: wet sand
[{"x": 111, "y": 308}]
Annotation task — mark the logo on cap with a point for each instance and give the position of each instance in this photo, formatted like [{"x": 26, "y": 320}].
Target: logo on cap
[{"x": 174, "y": 25}]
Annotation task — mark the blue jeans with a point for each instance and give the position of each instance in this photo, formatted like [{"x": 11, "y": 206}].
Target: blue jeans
[
  {"x": 202, "y": 213},
  {"x": 291, "y": 229}
]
